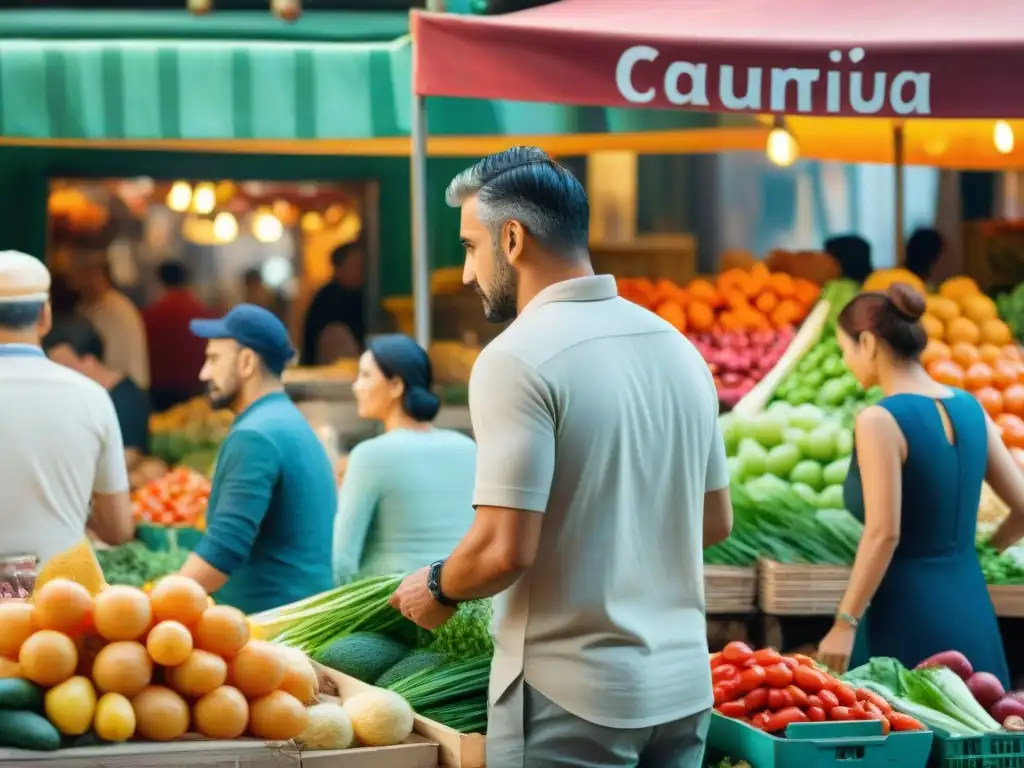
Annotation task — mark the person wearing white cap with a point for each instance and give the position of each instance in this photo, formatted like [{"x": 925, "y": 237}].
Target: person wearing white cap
[{"x": 62, "y": 464}]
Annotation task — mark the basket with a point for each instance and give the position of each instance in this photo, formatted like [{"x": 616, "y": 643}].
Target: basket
[
  {"x": 1008, "y": 600},
  {"x": 800, "y": 590},
  {"x": 1001, "y": 750},
  {"x": 819, "y": 745},
  {"x": 729, "y": 589},
  {"x": 160, "y": 538}
]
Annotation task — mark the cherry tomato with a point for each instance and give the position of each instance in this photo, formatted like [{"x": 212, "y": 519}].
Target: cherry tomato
[
  {"x": 859, "y": 711},
  {"x": 717, "y": 660},
  {"x": 814, "y": 701},
  {"x": 873, "y": 711},
  {"x": 778, "y": 675},
  {"x": 799, "y": 697},
  {"x": 759, "y": 720},
  {"x": 804, "y": 661},
  {"x": 790, "y": 662},
  {"x": 828, "y": 700},
  {"x": 783, "y": 718},
  {"x": 724, "y": 692},
  {"x": 815, "y": 714},
  {"x": 900, "y": 722},
  {"x": 724, "y": 672},
  {"x": 733, "y": 708},
  {"x": 846, "y": 695},
  {"x": 873, "y": 698},
  {"x": 886, "y": 726},
  {"x": 751, "y": 678},
  {"x": 779, "y": 699},
  {"x": 811, "y": 680},
  {"x": 766, "y": 657},
  {"x": 737, "y": 652},
  {"x": 756, "y": 700},
  {"x": 841, "y": 714}
]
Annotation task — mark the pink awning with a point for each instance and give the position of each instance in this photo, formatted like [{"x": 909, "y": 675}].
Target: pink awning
[{"x": 893, "y": 58}]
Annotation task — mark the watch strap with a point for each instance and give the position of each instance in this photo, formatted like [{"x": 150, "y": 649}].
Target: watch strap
[{"x": 434, "y": 585}]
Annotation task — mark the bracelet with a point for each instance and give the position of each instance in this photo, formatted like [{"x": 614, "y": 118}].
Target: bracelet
[{"x": 846, "y": 618}]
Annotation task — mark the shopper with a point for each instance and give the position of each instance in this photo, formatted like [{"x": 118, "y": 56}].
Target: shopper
[
  {"x": 272, "y": 505},
  {"x": 924, "y": 249},
  {"x": 920, "y": 458},
  {"x": 600, "y": 477},
  {"x": 407, "y": 496},
  {"x": 178, "y": 355},
  {"x": 335, "y": 322},
  {"x": 853, "y": 253},
  {"x": 61, "y": 457},
  {"x": 75, "y": 344},
  {"x": 113, "y": 314}
]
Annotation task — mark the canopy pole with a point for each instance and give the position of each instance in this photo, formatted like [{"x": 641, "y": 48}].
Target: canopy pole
[
  {"x": 420, "y": 232},
  {"x": 898, "y": 190}
]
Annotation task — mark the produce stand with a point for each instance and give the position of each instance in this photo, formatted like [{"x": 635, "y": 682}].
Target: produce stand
[
  {"x": 997, "y": 750},
  {"x": 800, "y": 590},
  {"x": 456, "y": 750},
  {"x": 1008, "y": 600},
  {"x": 729, "y": 589}
]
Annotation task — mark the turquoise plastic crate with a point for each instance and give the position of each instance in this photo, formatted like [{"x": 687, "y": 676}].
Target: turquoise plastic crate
[
  {"x": 819, "y": 745},
  {"x": 1001, "y": 750},
  {"x": 160, "y": 539}
]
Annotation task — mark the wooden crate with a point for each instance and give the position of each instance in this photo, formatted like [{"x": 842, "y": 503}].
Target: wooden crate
[
  {"x": 456, "y": 750},
  {"x": 800, "y": 590},
  {"x": 728, "y": 589},
  {"x": 1008, "y": 601}
]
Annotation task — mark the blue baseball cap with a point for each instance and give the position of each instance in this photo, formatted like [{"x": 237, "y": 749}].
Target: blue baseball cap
[{"x": 252, "y": 327}]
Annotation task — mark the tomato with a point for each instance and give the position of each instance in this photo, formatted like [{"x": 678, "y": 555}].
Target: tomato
[
  {"x": 778, "y": 675},
  {"x": 759, "y": 720},
  {"x": 750, "y": 679},
  {"x": 725, "y": 692},
  {"x": 880, "y": 703},
  {"x": 717, "y": 660},
  {"x": 846, "y": 695},
  {"x": 766, "y": 657},
  {"x": 779, "y": 699},
  {"x": 783, "y": 718},
  {"x": 841, "y": 714},
  {"x": 873, "y": 712},
  {"x": 800, "y": 698},
  {"x": 947, "y": 372},
  {"x": 737, "y": 652},
  {"x": 901, "y": 722},
  {"x": 733, "y": 708},
  {"x": 804, "y": 661},
  {"x": 1013, "y": 399},
  {"x": 814, "y": 701},
  {"x": 886, "y": 727},
  {"x": 991, "y": 399},
  {"x": 828, "y": 700},
  {"x": 811, "y": 680},
  {"x": 790, "y": 662},
  {"x": 859, "y": 711},
  {"x": 724, "y": 672},
  {"x": 756, "y": 700},
  {"x": 815, "y": 714}
]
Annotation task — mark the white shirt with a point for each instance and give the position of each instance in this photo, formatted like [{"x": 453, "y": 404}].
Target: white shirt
[
  {"x": 120, "y": 325},
  {"x": 60, "y": 442}
]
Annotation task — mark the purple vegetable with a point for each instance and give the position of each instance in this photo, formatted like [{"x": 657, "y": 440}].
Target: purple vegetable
[
  {"x": 987, "y": 689},
  {"x": 1018, "y": 695},
  {"x": 1006, "y": 708},
  {"x": 952, "y": 660}
]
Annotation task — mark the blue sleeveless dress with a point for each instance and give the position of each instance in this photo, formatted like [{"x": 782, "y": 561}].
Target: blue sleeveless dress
[{"x": 933, "y": 596}]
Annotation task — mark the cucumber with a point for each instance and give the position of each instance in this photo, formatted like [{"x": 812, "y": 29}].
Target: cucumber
[
  {"x": 16, "y": 693},
  {"x": 27, "y": 730}
]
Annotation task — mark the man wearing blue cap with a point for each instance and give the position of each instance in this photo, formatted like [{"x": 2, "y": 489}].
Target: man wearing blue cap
[{"x": 272, "y": 506}]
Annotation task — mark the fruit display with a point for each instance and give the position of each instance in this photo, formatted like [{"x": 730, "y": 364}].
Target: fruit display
[
  {"x": 739, "y": 360},
  {"x": 189, "y": 433},
  {"x": 178, "y": 499},
  {"x": 130, "y": 665}
]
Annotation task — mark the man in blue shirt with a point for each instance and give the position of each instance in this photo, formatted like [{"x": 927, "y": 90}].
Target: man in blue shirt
[{"x": 272, "y": 506}]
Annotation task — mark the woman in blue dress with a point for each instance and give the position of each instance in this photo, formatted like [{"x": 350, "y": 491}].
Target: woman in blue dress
[{"x": 920, "y": 457}]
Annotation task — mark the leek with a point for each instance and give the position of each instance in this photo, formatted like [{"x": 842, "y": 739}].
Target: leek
[{"x": 953, "y": 690}]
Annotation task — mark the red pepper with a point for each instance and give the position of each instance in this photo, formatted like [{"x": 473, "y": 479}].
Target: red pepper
[
  {"x": 723, "y": 672},
  {"x": 799, "y": 697},
  {"x": 756, "y": 700},
  {"x": 737, "y": 652},
  {"x": 766, "y": 657},
  {"x": 816, "y": 714},
  {"x": 778, "y": 675},
  {"x": 811, "y": 680},
  {"x": 783, "y": 718},
  {"x": 750, "y": 679},
  {"x": 733, "y": 708}
]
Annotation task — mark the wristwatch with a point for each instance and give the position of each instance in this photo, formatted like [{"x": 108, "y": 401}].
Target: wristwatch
[{"x": 434, "y": 585}]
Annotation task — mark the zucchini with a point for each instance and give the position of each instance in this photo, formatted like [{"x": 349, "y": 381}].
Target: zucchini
[
  {"x": 16, "y": 693},
  {"x": 27, "y": 730}
]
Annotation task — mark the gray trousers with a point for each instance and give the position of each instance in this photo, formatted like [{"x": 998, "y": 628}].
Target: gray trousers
[{"x": 525, "y": 729}]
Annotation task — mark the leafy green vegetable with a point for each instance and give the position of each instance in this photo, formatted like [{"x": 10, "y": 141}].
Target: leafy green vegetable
[
  {"x": 999, "y": 568},
  {"x": 134, "y": 564},
  {"x": 467, "y": 634},
  {"x": 961, "y": 702}
]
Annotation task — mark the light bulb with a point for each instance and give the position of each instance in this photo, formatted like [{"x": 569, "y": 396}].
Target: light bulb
[
  {"x": 1002, "y": 137},
  {"x": 204, "y": 199},
  {"x": 782, "y": 148},
  {"x": 225, "y": 227},
  {"x": 179, "y": 197},
  {"x": 267, "y": 228}
]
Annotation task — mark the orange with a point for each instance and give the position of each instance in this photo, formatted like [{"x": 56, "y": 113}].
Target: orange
[
  {"x": 122, "y": 613},
  {"x": 996, "y": 332},
  {"x": 934, "y": 327},
  {"x": 257, "y": 669},
  {"x": 17, "y": 623},
  {"x": 991, "y": 400},
  {"x": 222, "y": 630},
  {"x": 965, "y": 355},
  {"x": 1005, "y": 372},
  {"x": 278, "y": 716},
  {"x": 178, "y": 598},
  {"x": 1012, "y": 428},
  {"x": 1013, "y": 400},
  {"x": 962, "y": 329},
  {"x": 222, "y": 713},
  {"x": 989, "y": 353},
  {"x": 299, "y": 677},
  {"x": 122, "y": 667},
  {"x": 978, "y": 308},
  {"x": 169, "y": 643},
  {"x": 947, "y": 372},
  {"x": 48, "y": 658},
  {"x": 699, "y": 316},
  {"x": 160, "y": 714},
  {"x": 977, "y": 376},
  {"x": 942, "y": 308},
  {"x": 62, "y": 605},
  {"x": 936, "y": 350},
  {"x": 201, "y": 673},
  {"x": 672, "y": 313}
]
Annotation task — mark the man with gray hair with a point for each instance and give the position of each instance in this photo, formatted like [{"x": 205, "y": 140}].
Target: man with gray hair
[
  {"x": 62, "y": 463},
  {"x": 601, "y": 476}
]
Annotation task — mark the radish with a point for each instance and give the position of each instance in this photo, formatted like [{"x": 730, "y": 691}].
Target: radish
[
  {"x": 1005, "y": 708},
  {"x": 953, "y": 660},
  {"x": 987, "y": 689}
]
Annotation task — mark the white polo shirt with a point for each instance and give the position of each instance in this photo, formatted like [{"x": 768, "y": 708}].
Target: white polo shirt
[
  {"x": 602, "y": 417},
  {"x": 59, "y": 443}
]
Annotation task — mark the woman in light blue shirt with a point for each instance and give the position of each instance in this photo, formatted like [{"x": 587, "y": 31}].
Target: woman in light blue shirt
[{"x": 406, "y": 498}]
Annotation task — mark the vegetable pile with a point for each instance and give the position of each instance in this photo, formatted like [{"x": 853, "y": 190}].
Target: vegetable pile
[
  {"x": 179, "y": 498},
  {"x": 999, "y": 568},
  {"x": 738, "y": 360},
  {"x": 770, "y": 691},
  {"x": 135, "y": 565}
]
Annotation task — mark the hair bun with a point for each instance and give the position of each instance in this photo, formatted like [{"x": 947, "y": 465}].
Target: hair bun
[
  {"x": 421, "y": 403},
  {"x": 907, "y": 301}
]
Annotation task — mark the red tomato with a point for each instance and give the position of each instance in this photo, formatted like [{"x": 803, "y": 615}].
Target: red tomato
[
  {"x": 783, "y": 718},
  {"x": 811, "y": 680},
  {"x": 759, "y": 720},
  {"x": 846, "y": 695},
  {"x": 947, "y": 372},
  {"x": 815, "y": 714},
  {"x": 1006, "y": 372},
  {"x": 790, "y": 662},
  {"x": 828, "y": 700},
  {"x": 750, "y": 679},
  {"x": 756, "y": 700},
  {"x": 717, "y": 660},
  {"x": 778, "y": 675},
  {"x": 724, "y": 672},
  {"x": 900, "y": 722},
  {"x": 873, "y": 712},
  {"x": 778, "y": 699},
  {"x": 766, "y": 657},
  {"x": 814, "y": 700},
  {"x": 804, "y": 661},
  {"x": 991, "y": 399},
  {"x": 800, "y": 698},
  {"x": 976, "y": 376},
  {"x": 841, "y": 714},
  {"x": 733, "y": 709},
  {"x": 737, "y": 652},
  {"x": 724, "y": 692},
  {"x": 873, "y": 698}
]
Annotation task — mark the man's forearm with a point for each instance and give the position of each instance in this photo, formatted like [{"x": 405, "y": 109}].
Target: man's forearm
[{"x": 474, "y": 572}]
